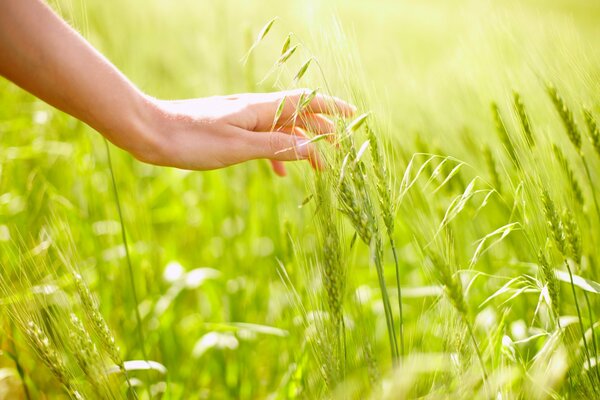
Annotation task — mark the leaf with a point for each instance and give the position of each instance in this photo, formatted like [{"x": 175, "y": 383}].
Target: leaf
[
  {"x": 138, "y": 365},
  {"x": 257, "y": 328},
  {"x": 582, "y": 283},
  {"x": 302, "y": 70}
]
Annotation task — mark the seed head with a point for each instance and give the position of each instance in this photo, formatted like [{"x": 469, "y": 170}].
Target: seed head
[
  {"x": 554, "y": 222},
  {"x": 566, "y": 116}
]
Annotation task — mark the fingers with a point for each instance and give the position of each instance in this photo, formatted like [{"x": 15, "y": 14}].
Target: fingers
[
  {"x": 315, "y": 123},
  {"x": 279, "y": 146},
  {"x": 322, "y": 104},
  {"x": 278, "y": 167},
  {"x": 267, "y": 106}
]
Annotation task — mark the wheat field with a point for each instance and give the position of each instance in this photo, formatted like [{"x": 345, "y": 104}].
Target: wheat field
[{"x": 448, "y": 251}]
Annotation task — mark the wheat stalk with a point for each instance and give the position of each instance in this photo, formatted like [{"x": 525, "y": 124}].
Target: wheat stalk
[
  {"x": 388, "y": 212},
  {"x": 356, "y": 204}
]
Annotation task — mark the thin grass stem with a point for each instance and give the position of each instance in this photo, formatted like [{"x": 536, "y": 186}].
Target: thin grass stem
[
  {"x": 139, "y": 329},
  {"x": 580, "y": 319}
]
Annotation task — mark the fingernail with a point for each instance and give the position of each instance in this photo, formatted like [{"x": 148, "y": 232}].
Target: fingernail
[{"x": 302, "y": 148}]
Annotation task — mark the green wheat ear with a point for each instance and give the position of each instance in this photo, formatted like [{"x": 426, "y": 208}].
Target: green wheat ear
[
  {"x": 554, "y": 222},
  {"x": 50, "y": 357},
  {"x": 503, "y": 134},
  {"x": 523, "y": 119},
  {"x": 551, "y": 282},
  {"x": 572, "y": 235},
  {"x": 566, "y": 117},
  {"x": 492, "y": 167},
  {"x": 571, "y": 178},
  {"x": 97, "y": 322},
  {"x": 593, "y": 130}
]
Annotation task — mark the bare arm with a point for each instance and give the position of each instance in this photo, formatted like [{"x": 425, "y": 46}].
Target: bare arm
[{"x": 45, "y": 56}]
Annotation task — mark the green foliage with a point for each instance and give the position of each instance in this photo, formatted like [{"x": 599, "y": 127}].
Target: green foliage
[{"x": 445, "y": 252}]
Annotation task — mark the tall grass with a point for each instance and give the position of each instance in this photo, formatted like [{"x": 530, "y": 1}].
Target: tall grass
[{"x": 445, "y": 251}]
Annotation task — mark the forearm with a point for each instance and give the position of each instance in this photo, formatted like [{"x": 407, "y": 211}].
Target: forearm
[{"x": 43, "y": 55}]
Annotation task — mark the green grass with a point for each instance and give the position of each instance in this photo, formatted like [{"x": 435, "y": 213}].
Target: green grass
[{"x": 470, "y": 183}]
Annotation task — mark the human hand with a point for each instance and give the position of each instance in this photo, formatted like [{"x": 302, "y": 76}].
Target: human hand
[{"x": 215, "y": 132}]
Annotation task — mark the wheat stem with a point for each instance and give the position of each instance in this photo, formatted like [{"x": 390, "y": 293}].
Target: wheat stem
[
  {"x": 401, "y": 316},
  {"x": 389, "y": 319},
  {"x": 138, "y": 317},
  {"x": 476, "y": 346},
  {"x": 580, "y": 319},
  {"x": 591, "y": 318}
]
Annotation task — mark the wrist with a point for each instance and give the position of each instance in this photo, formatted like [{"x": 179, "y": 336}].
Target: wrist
[{"x": 146, "y": 126}]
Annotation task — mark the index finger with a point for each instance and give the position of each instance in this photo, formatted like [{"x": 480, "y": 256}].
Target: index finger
[{"x": 320, "y": 103}]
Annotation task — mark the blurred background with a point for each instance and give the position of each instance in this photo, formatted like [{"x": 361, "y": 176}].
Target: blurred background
[{"x": 206, "y": 246}]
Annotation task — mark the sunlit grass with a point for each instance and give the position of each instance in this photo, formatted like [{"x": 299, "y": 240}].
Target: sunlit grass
[{"x": 449, "y": 250}]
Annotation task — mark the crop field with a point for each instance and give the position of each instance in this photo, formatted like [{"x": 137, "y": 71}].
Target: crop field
[{"x": 449, "y": 250}]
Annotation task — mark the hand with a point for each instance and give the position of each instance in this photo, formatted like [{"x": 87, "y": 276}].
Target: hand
[
  {"x": 216, "y": 132},
  {"x": 52, "y": 61}
]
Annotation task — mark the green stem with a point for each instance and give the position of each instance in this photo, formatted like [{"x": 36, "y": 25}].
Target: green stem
[
  {"x": 138, "y": 317},
  {"x": 477, "y": 350},
  {"x": 591, "y": 318},
  {"x": 389, "y": 319},
  {"x": 581, "y": 327},
  {"x": 393, "y": 246},
  {"x": 18, "y": 365}
]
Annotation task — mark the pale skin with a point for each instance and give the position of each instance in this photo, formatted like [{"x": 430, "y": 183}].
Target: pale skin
[{"x": 45, "y": 56}]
